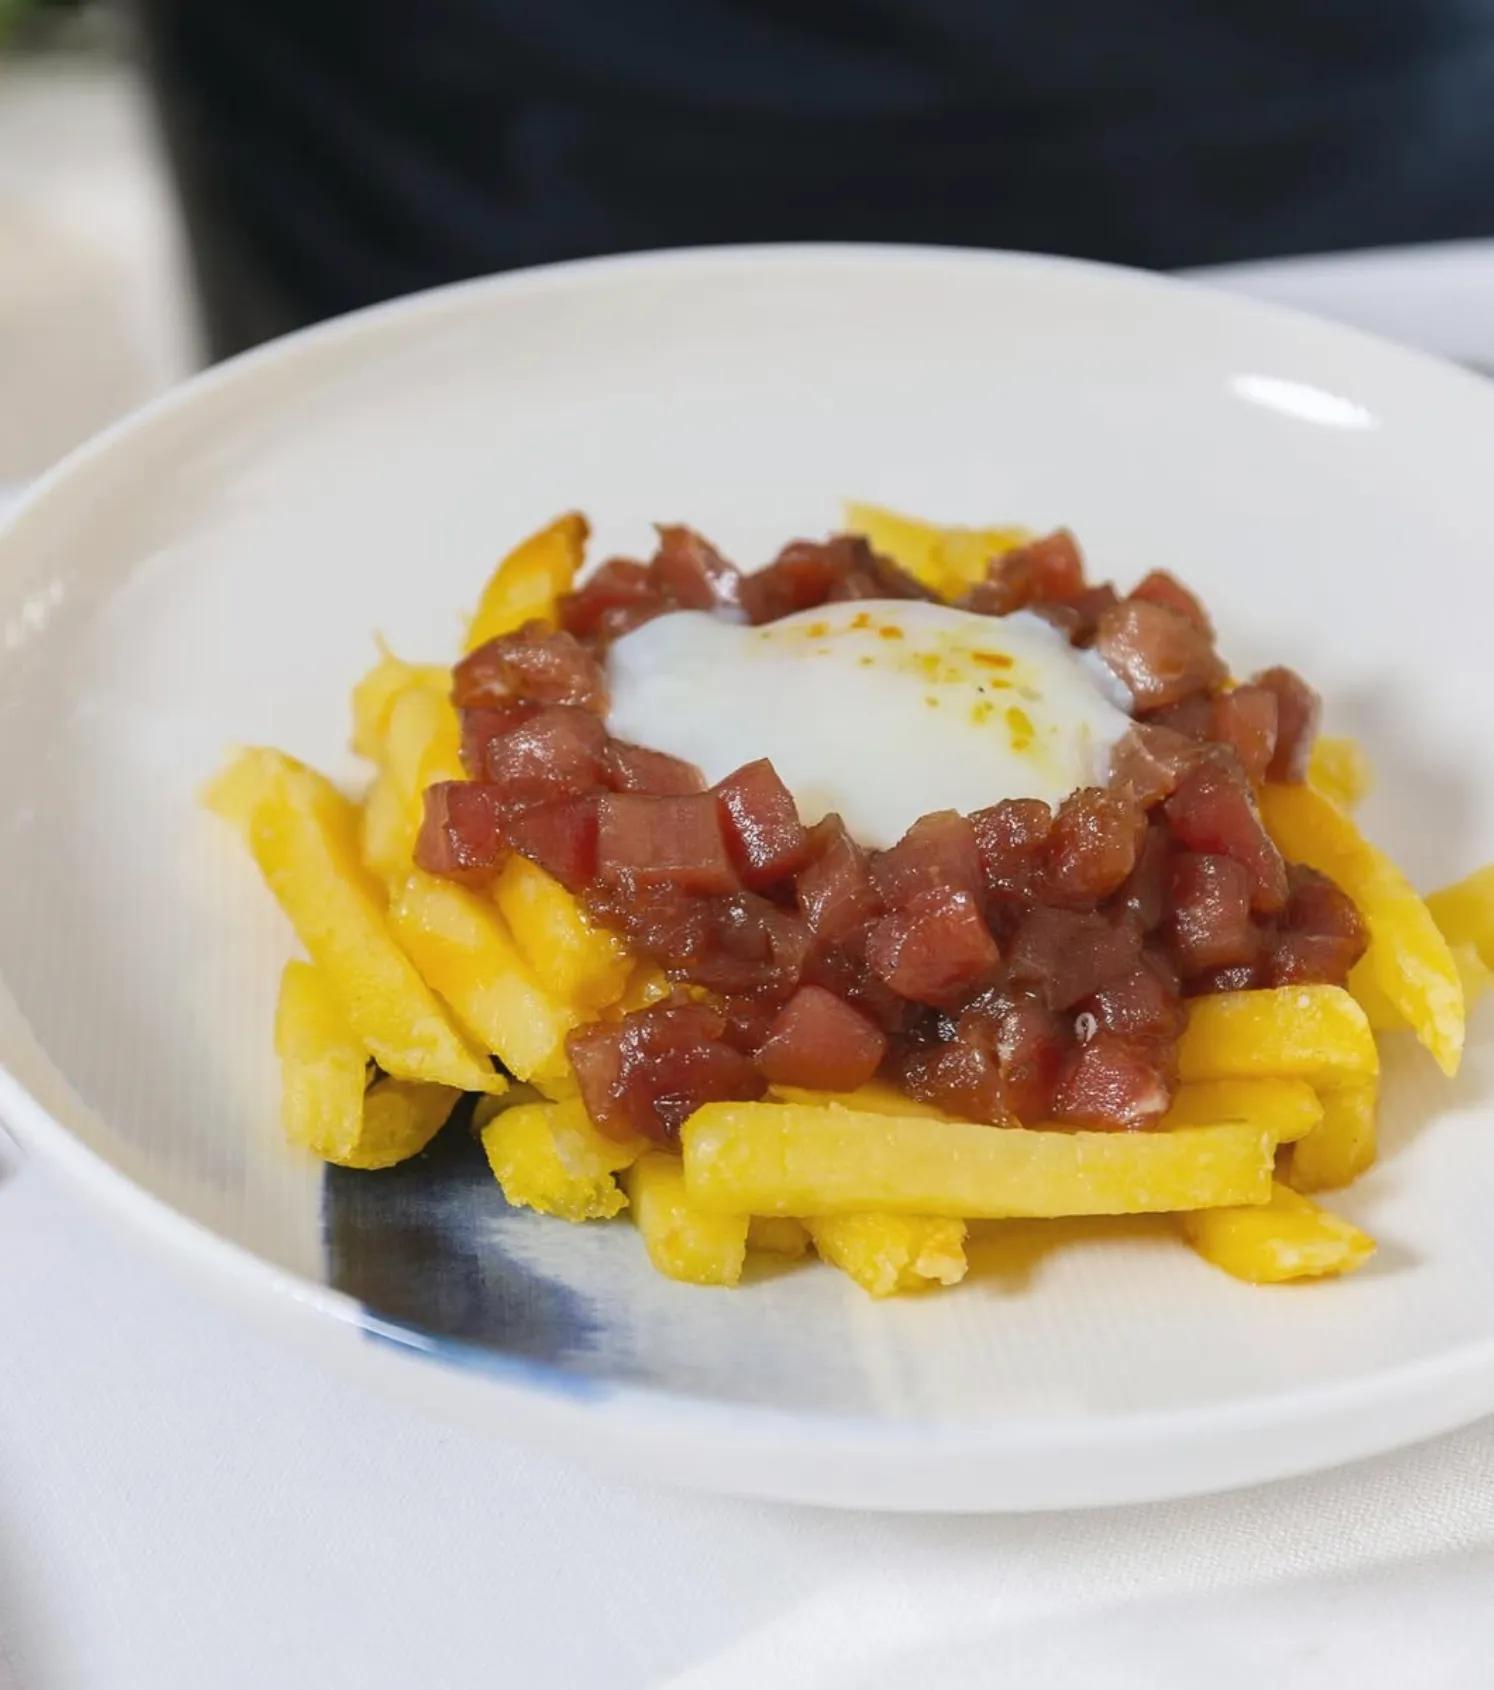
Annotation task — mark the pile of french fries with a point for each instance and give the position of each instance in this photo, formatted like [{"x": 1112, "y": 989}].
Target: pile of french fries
[{"x": 414, "y": 985}]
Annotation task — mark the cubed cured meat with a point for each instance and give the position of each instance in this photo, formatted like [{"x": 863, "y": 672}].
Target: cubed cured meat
[
  {"x": 819, "y": 1040},
  {"x": 536, "y": 662}
]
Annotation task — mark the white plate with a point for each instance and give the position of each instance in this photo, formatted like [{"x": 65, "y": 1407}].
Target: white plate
[{"x": 213, "y": 571}]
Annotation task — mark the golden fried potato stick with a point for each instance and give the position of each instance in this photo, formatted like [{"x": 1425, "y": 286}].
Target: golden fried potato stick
[
  {"x": 876, "y": 1097},
  {"x": 1288, "y": 1238},
  {"x": 374, "y": 696},
  {"x": 327, "y": 1103},
  {"x": 1313, "y": 1033},
  {"x": 1343, "y": 1146},
  {"x": 460, "y": 943},
  {"x": 946, "y": 560},
  {"x": 1465, "y": 912},
  {"x": 1408, "y": 958},
  {"x": 886, "y": 1254},
  {"x": 799, "y": 1159},
  {"x": 530, "y": 580},
  {"x": 422, "y": 745},
  {"x": 583, "y": 965},
  {"x": 1287, "y": 1109},
  {"x": 683, "y": 1241},
  {"x": 778, "y": 1235},
  {"x": 1340, "y": 770},
  {"x": 303, "y": 834},
  {"x": 549, "y": 1157}
]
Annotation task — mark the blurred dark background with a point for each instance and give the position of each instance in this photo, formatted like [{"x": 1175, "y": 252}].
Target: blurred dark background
[
  {"x": 185, "y": 178},
  {"x": 335, "y": 152}
]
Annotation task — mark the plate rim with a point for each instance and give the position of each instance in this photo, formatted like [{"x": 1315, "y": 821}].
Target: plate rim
[{"x": 1416, "y": 1399}]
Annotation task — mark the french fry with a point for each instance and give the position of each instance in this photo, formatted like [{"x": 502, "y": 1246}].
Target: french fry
[
  {"x": 384, "y": 842},
  {"x": 946, "y": 560},
  {"x": 1465, "y": 911},
  {"x": 462, "y": 947},
  {"x": 421, "y": 746},
  {"x": 549, "y": 1157},
  {"x": 1343, "y": 1145},
  {"x": 1288, "y": 1238},
  {"x": 876, "y": 1097},
  {"x": 530, "y": 579},
  {"x": 1473, "y": 971},
  {"x": 578, "y": 963},
  {"x": 302, "y": 833},
  {"x": 683, "y": 1241},
  {"x": 374, "y": 696},
  {"x": 800, "y": 1159},
  {"x": 1408, "y": 958},
  {"x": 1384, "y": 1017},
  {"x": 885, "y": 1254},
  {"x": 1313, "y": 1033},
  {"x": 1339, "y": 769},
  {"x": 778, "y": 1235},
  {"x": 327, "y": 1104},
  {"x": 1287, "y": 1109}
]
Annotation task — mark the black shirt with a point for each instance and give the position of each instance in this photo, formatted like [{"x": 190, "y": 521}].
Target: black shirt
[{"x": 335, "y": 152}]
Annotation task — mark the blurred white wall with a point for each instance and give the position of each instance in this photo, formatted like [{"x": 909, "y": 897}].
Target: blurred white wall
[{"x": 95, "y": 312}]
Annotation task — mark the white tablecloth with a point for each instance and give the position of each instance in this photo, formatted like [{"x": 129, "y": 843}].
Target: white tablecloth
[{"x": 183, "y": 1503}]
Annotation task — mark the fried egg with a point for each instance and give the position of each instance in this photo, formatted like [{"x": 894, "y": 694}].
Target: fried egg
[{"x": 881, "y": 710}]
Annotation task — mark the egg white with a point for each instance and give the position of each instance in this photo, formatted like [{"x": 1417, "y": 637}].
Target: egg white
[{"x": 880, "y": 709}]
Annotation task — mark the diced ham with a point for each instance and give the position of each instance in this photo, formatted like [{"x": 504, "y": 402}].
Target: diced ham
[
  {"x": 1321, "y": 934},
  {"x": 537, "y": 661},
  {"x": 634, "y": 768},
  {"x": 1160, "y": 655},
  {"x": 1298, "y": 709},
  {"x": 1161, "y": 588},
  {"x": 1012, "y": 838},
  {"x": 558, "y": 752},
  {"x": 959, "y": 1075},
  {"x": 872, "y": 576},
  {"x": 1245, "y": 721},
  {"x": 1064, "y": 955},
  {"x": 1040, "y": 572},
  {"x": 835, "y": 889},
  {"x": 648, "y": 1073},
  {"x": 764, "y": 835},
  {"x": 1208, "y": 924},
  {"x": 460, "y": 835},
  {"x": 619, "y": 596},
  {"x": 734, "y": 942},
  {"x": 561, "y": 837},
  {"x": 1191, "y": 717},
  {"x": 1242, "y": 977},
  {"x": 1143, "y": 896},
  {"x": 480, "y": 728},
  {"x": 1092, "y": 848},
  {"x": 938, "y": 852},
  {"x": 936, "y": 951},
  {"x": 1213, "y": 812},
  {"x": 1113, "y": 1082},
  {"x": 648, "y": 841},
  {"x": 689, "y": 571},
  {"x": 807, "y": 573},
  {"x": 1029, "y": 1041},
  {"x": 748, "y": 1020},
  {"x": 819, "y": 1040},
  {"x": 1143, "y": 1004},
  {"x": 1078, "y": 617},
  {"x": 1149, "y": 760}
]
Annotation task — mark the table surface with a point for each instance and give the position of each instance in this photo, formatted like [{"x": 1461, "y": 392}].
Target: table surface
[{"x": 185, "y": 1503}]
